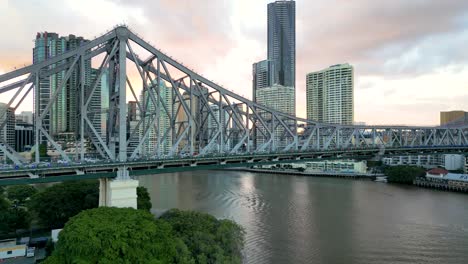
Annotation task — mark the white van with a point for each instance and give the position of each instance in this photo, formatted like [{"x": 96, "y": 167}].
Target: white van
[{"x": 30, "y": 252}]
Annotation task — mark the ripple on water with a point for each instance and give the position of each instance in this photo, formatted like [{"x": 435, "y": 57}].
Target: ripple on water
[{"x": 310, "y": 220}]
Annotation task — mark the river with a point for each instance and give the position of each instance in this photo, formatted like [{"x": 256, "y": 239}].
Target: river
[{"x": 294, "y": 219}]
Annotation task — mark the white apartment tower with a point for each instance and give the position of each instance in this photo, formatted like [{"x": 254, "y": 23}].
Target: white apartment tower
[{"x": 330, "y": 95}]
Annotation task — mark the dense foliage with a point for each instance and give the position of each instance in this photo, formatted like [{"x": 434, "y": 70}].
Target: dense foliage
[
  {"x": 209, "y": 240},
  {"x": 125, "y": 235},
  {"x": 56, "y": 204},
  {"x": 20, "y": 193},
  {"x": 404, "y": 174},
  {"x": 143, "y": 199},
  {"x": 12, "y": 217},
  {"x": 118, "y": 235}
]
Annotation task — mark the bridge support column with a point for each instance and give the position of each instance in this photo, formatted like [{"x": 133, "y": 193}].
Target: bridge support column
[{"x": 119, "y": 192}]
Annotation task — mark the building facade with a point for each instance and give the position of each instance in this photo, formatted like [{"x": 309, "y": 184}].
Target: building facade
[
  {"x": 7, "y": 131},
  {"x": 26, "y": 117},
  {"x": 453, "y": 118},
  {"x": 448, "y": 161},
  {"x": 282, "y": 41},
  {"x": 279, "y": 98},
  {"x": 219, "y": 119},
  {"x": 24, "y": 136},
  {"x": 62, "y": 115},
  {"x": 132, "y": 110},
  {"x": 344, "y": 166},
  {"x": 155, "y": 139},
  {"x": 262, "y": 73},
  {"x": 95, "y": 107},
  {"x": 330, "y": 95}
]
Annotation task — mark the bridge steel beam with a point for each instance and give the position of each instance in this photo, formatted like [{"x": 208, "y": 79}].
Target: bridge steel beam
[{"x": 188, "y": 121}]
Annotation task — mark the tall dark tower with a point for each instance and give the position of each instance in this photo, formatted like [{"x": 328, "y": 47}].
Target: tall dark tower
[{"x": 282, "y": 41}]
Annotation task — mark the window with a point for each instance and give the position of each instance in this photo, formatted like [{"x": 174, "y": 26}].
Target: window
[{"x": 9, "y": 252}]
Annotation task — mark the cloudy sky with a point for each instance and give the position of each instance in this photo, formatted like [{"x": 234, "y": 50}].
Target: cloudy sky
[{"x": 410, "y": 57}]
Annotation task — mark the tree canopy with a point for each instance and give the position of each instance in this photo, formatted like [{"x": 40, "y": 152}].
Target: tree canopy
[
  {"x": 144, "y": 199},
  {"x": 209, "y": 240},
  {"x": 20, "y": 193},
  {"x": 118, "y": 235},
  {"x": 404, "y": 174},
  {"x": 12, "y": 217},
  {"x": 56, "y": 204}
]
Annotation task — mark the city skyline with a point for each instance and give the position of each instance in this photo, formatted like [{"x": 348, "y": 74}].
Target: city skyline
[{"x": 403, "y": 74}]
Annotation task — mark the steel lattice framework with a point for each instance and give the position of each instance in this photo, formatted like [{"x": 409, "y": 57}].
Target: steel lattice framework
[{"x": 184, "y": 112}]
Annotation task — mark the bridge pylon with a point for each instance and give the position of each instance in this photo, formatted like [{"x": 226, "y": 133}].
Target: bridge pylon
[{"x": 119, "y": 192}]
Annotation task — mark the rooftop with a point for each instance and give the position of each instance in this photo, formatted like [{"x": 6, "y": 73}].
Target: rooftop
[{"x": 438, "y": 171}]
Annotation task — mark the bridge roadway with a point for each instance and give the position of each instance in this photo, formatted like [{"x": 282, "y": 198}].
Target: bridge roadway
[{"x": 80, "y": 171}]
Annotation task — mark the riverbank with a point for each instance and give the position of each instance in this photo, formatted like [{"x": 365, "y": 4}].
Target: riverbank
[{"x": 366, "y": 176}]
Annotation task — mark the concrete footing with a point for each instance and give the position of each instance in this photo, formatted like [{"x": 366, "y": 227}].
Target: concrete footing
[{"x": 119, "y": 192}]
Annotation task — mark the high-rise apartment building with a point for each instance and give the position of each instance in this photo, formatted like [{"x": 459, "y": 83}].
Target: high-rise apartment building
[
  {"x": 105, "y": 93},
  {"x": 282, "y": 41},
  {"x": 197, "y": 139},
  {"x": 133, "y": 117},
  {"x": 25, "y": 116},
  {"x": 155, "y": 139},
  {"x": 7, "y": 132},
  {"x": 132, "y": 110},
  {"x": 219, "y": 119},
  {"x": 62, "y": 115},
  {"x": 262, "y": 73},
  {"x": 330, "y": 95},
  {"x": 279, "y": 98},
  {"x": 95, "y": 107},
  {"x": 24, "y": 139},
  {"x": 453, "y": 118}
]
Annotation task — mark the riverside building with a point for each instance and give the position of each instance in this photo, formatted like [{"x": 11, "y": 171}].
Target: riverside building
[{"x": 330, "y": 95}]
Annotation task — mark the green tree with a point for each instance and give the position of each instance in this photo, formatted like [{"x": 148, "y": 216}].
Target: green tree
[
  {"x": 20, "y": 193},
  {"x": 56, "y": 204},
  {"x": 209, "y": 240},
  {"x": 404, "y": 174},
  {"x": 144, "y": 199},
  {"x": 12, "y": 218},
  {"x": 42, "y": 151},
  {"x": 118, "y": 235}
]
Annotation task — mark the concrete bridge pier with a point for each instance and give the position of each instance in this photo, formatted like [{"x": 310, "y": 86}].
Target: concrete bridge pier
[{"x": 118, "y": 192}]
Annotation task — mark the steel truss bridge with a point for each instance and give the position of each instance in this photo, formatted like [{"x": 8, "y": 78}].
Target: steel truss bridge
[{"x": 182, "y": 114}]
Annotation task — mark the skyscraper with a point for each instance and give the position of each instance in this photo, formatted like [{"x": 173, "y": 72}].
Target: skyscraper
[
  {"x": 279, "y": 98},
  {"x": 95, "y": 107},
  {"x": 7, "y": 132},
  {"x": 262, "y": 73},
  {"x": 219, "y": 119},
  {"x": 62, "y": 115},
  {"x": 155, "y": 139},
  {"x": 25, "y": 116},
  {"x": 282, "y": 41},
  {"x": 330, "y": 97},
  {"x": 132, "y": 110}
]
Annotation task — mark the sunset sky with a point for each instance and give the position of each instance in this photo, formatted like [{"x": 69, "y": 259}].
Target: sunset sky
[{"x": 410, "y": 56}]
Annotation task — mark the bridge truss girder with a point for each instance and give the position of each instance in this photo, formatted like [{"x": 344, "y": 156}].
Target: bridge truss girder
[{"x": 181, "y": 111}]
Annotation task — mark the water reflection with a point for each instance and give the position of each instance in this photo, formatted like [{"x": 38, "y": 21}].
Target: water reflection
[{"x": 317, "y": 220}]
